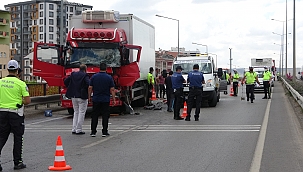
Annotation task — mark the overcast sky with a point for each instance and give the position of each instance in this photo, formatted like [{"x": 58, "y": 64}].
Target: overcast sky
[{"x": 243, "y": 25}]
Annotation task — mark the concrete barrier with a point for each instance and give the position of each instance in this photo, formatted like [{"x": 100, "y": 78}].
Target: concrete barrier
[{"x": 294, "y": 93}]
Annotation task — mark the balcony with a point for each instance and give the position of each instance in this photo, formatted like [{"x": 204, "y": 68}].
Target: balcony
[
  {"x": 18, "y": 46},
  {"x": 4, "y": 22},
  {"x": 26, "y": 32},
  {"x": 4, "y": 34},
  {"x": 33, "y": 9},
  {"x": 28, "y": 17}
]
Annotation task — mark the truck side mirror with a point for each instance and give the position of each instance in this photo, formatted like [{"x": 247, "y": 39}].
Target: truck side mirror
[{"x": 220, "y": 72}]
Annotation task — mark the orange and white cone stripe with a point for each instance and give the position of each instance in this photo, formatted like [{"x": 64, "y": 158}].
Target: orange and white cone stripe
[{"x": 59, "y": 163}]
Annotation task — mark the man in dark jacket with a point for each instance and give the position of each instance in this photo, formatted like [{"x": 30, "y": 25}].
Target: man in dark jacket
[
  {"x": 77, "y": 89},
  {"x": 169, "y": 92}
]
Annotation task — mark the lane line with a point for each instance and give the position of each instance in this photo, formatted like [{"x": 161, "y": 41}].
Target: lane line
[
  {"x": 47, "y": 120},
  {"x": 196, "y": 130},
  {"x": 256, "y": 162},
  {"x": 107, "y": 138}
]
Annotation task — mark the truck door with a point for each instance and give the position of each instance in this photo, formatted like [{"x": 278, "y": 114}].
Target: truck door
[
  {"x": 130, "y": 72},
  {"x": 47, "y": 63}
]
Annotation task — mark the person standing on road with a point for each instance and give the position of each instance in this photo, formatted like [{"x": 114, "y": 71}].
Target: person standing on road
[
  {"x": 169, "y": 92},
  {"x": 14, "y": 95},
  {"x": 266, "y": 83},
  {"x": 151, "y": 82},
  {"x": 156, "y": 85},
  {"x": 177, "y": 83},
  {"x": 102, "y": 86},
  {"x": 235, "y": 79},
  {"x": 77, "y": 89},
  {"x": 250, "y": 77},
  {"x": 161, "y": 85},
  {"x": 195, "y": 79}
]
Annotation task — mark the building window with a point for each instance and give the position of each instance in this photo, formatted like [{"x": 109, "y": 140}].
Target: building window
[
  {"x": 35, "y": 37},
  {"x": 0, "y": 66},
  {"x": 51, "y": 6},
  {"x": 4, "y": 54},
  {"x": 41, "y": 6},
  {"x": 41, "y": 14},
  {"x": 51, "y": 29},
  {"x": 35, "y": 22},
  {"x": 71, "y": 9},
  {"x": 13, "y": 45},
  {"x": 66, "y": 9},
  {"x": 41, "y": 28},
  {"x": 41, "y": 36},
  {"x": 51, "y": 14},
  {"x": 1, "y": 54},
  {"x": 4, "y": 66},
  {"x": 51, "y": 21},
  {"x": 12, "y": 52},
  {"x": 41, "y": 21},
  {"x": 66, "y": 16},
  {"x": 12, "y": 38},
  {"x": 13, "y": 24},
  {"x": 66, "y": 23},
  {"x": 51, "y": 36}
]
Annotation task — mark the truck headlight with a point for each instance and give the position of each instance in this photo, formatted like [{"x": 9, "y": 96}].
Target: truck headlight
[
  {"x": 64, "y": 97},
  {"x": 209, "y": 83}
]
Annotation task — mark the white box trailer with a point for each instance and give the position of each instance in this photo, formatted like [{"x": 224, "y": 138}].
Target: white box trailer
[
  {"x": 262, "y": 62},
  {"x": 138, "y": 32}
]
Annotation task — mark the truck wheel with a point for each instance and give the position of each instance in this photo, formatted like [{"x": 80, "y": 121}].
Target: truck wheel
[
  {"x": 70, "y": 111},
  {"x": 213, "y": 101}
]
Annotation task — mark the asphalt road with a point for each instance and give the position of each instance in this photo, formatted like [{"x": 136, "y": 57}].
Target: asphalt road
[{"x": 235, "y": 136}]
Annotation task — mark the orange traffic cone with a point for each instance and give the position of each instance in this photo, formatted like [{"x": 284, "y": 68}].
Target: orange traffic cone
[
  {"x": 231, "y": 91},
  {"x": 59, "y": 163},
  {"x": 153, "y": 95},
  {"x": 184, "y": 114}
]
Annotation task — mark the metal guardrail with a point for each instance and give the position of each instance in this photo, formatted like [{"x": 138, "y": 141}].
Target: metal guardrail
[
  {"x": 294, "y": 93},
  {"x": 39, "y": 100}
]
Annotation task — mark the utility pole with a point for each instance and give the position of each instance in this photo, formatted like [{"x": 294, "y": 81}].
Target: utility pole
[
  {"x": 61, "y": 24},
  {"x": 230, "y": 59},
  {"x": 286, "y": 41},
  {"x": 294, "y": 45}
]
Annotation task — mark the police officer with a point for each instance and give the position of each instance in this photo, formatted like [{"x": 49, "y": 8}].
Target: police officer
[
  {"x": 14, "y": 95},
  {"x": 250, "y": 77},
  {"x": 235, "y": 79},
  {"x": 177, "y": 83},
  {"x": 195, "y": 79},
  {"x": 151, "y": 82},
  {"x": 266, "y": 83}
]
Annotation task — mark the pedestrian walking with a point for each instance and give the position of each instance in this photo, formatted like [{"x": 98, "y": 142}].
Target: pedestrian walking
[
  {"x": 156, "y": 85},
  {"x": 102, "y": 86},
  {"x": 267, "y": 77},
  {"x": 14, "y": 95},
  {"x": 169, "y": 92},
  {"x": 195, "y": 79},
  {"x": 151, "y": 82},
  {"x": 161, "y": 85},
  {"x": 177, "y": 83},
  {"x": 251, "y": 77},
  {"x": 235, "y": 79},
  {"x": 77, "y": 89}
]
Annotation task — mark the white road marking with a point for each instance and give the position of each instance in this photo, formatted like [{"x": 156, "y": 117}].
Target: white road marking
[
  {"x": 107, "y": 138},
  {"x": 52, "y": 119},
  {"x": 197, "y": 130},
  {"x": 256, "y": 163}
]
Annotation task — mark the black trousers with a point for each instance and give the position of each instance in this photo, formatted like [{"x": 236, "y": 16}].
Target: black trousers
[
  {"x": 235, "y": 87},
  {"x": 12, "y": 122},
  {"x": 178, "y": 102},
  {"x": 170, "y": 97},
  {"x": 250, "y": 89},
  {"x": 150, "y": 91},
  {"x": 194, "y": 93},
  {"x": 162, "y": 90},
  {"x": 103, "y": 109},
  {"x": 266, "y": 88}
]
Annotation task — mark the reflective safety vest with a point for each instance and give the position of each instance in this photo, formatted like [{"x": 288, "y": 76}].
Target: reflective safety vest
[
  {"x": 236, "y": 77},
  {"x": 266, "y": 76},
  {"x": 151, "y": 78},
  {"x": 250, "y": 77},
  {"x": 227, "y": 76}
]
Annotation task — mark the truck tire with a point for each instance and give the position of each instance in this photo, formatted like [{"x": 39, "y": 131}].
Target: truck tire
[
  {"x": 213, "y": 101},
  {"x": 70, "y": 111}
]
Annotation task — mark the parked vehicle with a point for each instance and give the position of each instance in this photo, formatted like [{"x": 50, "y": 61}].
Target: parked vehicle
[
  {"x": 102, "y": 36},
  {"x": 211, "y": 88}
]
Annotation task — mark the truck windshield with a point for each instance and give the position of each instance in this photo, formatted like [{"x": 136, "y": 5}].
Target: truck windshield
[
  {"x": 94, "y": 56},
  {"x": 206, "y": 68}
]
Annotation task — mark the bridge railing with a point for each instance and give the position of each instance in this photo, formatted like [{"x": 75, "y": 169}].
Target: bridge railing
[{"x": 294, "y": 93}]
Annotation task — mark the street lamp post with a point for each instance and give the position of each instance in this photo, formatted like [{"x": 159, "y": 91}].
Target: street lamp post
[
  {"x": 230, "y": 59},
  {"x": 281, "y": 58},
  {"x": 178, "y": 30},
  {"x": 294, "y": 44},
  {"x": 202, "y": 45}
]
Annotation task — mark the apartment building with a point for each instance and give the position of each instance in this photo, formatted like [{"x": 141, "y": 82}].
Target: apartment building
[
  {"x": 37, "y": 21},
  {"x": 4, "y": 41}
]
